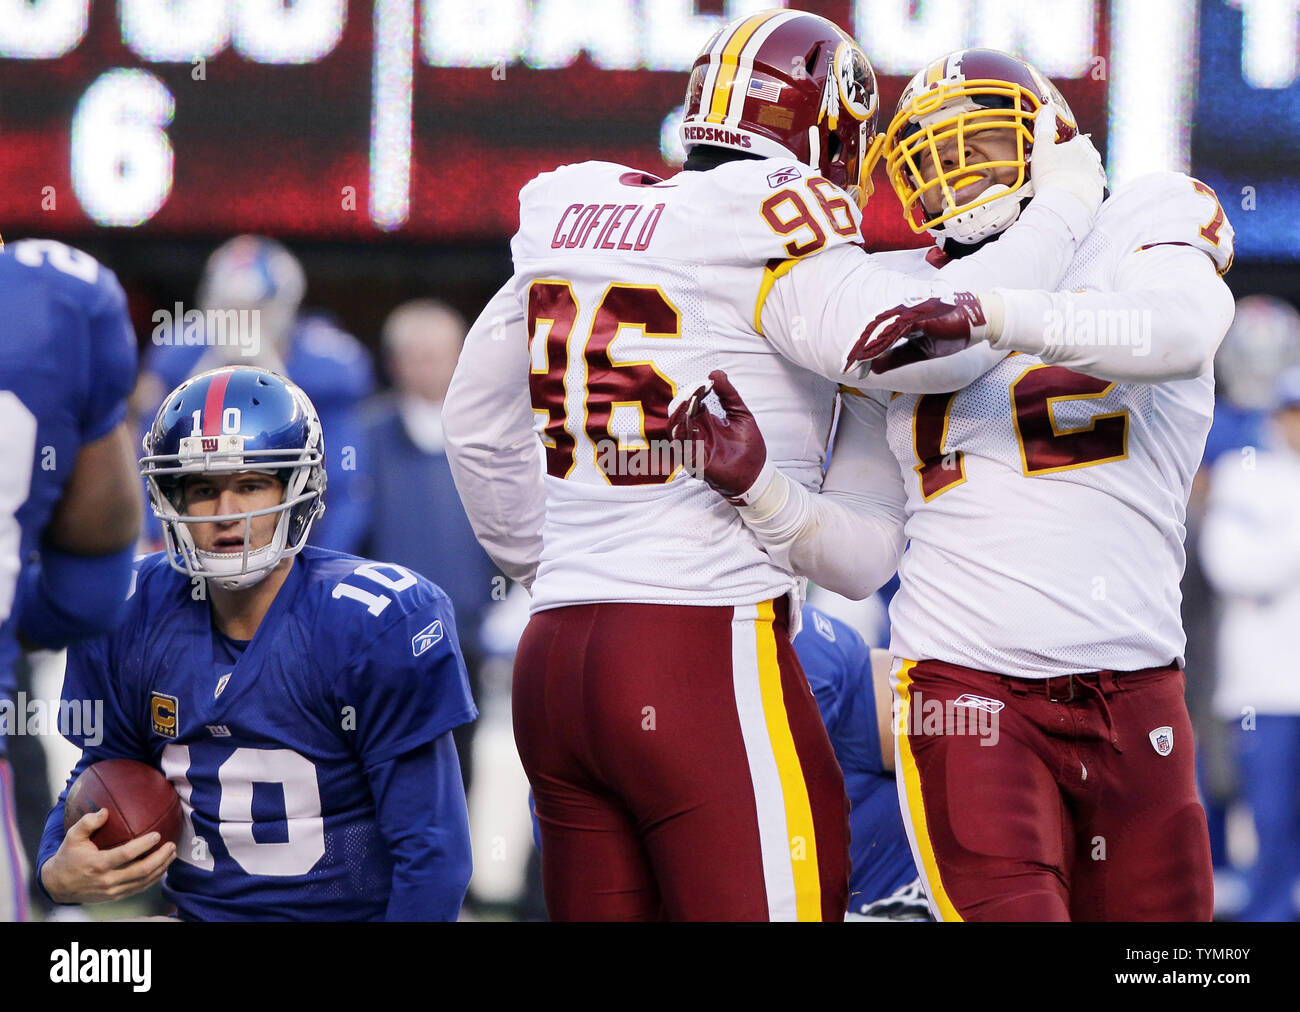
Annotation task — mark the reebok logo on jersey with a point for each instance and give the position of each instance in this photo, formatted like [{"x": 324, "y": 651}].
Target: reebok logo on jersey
[
  {"x": 823, "y": 625},
  {"x": 1162, "y": 740},
  {"x": 222, "y": 682},
  {"x": 426, "y": 637},
  {"x": 780, "y": 177},
  {"x": 979, "y": 702},
  {"x": 162, "y": 714}
]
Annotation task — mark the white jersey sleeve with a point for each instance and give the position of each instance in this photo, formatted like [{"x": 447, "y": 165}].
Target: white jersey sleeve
[
  {"x": 493, "y": 452},
  {"x": 848, "y": 538},
  {"x": 1162, "y": 311},
  {"x": 817, "y": 309}
]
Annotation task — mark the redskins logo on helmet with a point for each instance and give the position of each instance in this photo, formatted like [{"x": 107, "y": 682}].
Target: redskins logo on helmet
[
  {"x": 785, "y": 83},
  {"x": 952, "y": 100}
]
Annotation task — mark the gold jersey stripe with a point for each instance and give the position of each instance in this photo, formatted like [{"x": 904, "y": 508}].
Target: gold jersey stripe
[{"x": 770, "y": 274}]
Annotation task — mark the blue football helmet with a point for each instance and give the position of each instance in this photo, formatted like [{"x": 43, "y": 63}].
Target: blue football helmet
[
  {"x": 229, "y": 420},
  {"x": 253, "y": 272}
]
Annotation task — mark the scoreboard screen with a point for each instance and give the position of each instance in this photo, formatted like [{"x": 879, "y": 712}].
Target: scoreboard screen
[{"x": 419, "y": 120}]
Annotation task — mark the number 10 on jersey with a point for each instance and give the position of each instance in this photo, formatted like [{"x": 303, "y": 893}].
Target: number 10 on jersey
[{"x": 605, "y": 384}]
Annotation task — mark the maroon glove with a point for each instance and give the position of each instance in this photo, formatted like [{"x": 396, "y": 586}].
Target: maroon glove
[
  {"x": 726, "y": 453},
  {"x": 934, "y": 328}
]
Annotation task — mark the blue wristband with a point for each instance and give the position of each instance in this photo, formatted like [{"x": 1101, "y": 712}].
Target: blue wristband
[{"x": 64, "y": 598}]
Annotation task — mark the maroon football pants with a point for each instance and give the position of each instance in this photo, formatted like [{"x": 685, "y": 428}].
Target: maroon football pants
[
  {"x": 1072, "y": 798},
  {"x": 679, "y": 765}
]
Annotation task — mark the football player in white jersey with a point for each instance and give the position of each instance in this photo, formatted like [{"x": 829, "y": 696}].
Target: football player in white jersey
[
  {"x": 676, "y": 755},
  {"x": 1043, "y": 506}
]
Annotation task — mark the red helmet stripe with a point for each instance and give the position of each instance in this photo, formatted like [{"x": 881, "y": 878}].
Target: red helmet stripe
[
  {"x": 721, "y": 96},
  {"x": 214, "y": 402}
]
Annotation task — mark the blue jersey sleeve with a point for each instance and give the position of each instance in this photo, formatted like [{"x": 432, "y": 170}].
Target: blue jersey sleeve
[
  {"x": 92, "y": 691},
  {"x": 94, "y": 683},
  {"x": 420, "y": 804},
  {"x": 407, "y": 685},
  {"x": 837, "y": 662},
  {"x": 112, "y": 359}
]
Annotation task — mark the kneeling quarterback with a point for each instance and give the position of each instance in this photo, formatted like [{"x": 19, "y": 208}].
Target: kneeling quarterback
[{"x": 301, "y": 701}]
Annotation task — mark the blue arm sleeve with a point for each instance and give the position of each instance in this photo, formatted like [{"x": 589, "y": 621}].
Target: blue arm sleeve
[
  {"x": 64, "y": 598},
  {"x": 423, "y": 817},
  {"x": 111, "y": 362},
  {"x": 107, "y": 732}
]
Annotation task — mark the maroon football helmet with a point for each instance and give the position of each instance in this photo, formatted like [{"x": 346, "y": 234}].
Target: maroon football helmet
[
  {"x": 786, "y": 83},
  {"x": 949, "y": 101}
]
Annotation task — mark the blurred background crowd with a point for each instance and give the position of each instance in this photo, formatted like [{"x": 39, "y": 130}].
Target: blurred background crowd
[{"x": 383, "y": 144}]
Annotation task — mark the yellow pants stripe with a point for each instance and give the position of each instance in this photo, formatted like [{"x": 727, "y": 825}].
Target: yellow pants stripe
[
  {"x": 794, "y": 789},
  {"x": 915, "y": 803}
]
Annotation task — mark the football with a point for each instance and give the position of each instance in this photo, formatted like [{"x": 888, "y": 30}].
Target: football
[{"x": 139, "y": 800}]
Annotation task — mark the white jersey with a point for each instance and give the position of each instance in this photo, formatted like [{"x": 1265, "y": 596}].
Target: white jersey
[
  {"x": 1044, "y": 507},
  {"x": 635, "y": 291},
  {"x": 628, "y": 291}
]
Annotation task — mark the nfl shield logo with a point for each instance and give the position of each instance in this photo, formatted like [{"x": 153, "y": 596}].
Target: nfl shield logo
[{"x": 1162, "y": 739}]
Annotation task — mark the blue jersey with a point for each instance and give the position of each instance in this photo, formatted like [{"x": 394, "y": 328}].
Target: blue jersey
[
  {"x": 838, "y": 664},
  {"x": 67, "y": 364},
  {"x": 269, "y": 744}
]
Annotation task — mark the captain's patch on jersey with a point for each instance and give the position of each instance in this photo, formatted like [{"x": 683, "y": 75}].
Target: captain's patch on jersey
[
  {"x": 426, "y": 637},
  {"x": 1162, "y": 740},
  {"x": 163, "y": 715}
]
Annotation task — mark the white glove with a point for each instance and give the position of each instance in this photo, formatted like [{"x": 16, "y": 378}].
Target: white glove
[{"x": 1073, "y": 166}]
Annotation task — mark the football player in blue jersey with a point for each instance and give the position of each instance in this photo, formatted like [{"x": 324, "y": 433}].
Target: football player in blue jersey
[
  {"x": 69, "y": 494},
  {"x": 301, "y": 701},
  {"x": 851, "y": 684}
]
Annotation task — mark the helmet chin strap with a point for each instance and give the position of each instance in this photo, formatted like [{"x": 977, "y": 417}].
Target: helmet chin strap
[
  {"x": 214, "y": 564},
  {"x": 237, "y": 571},
  {"x": 987, "y": 219}
]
